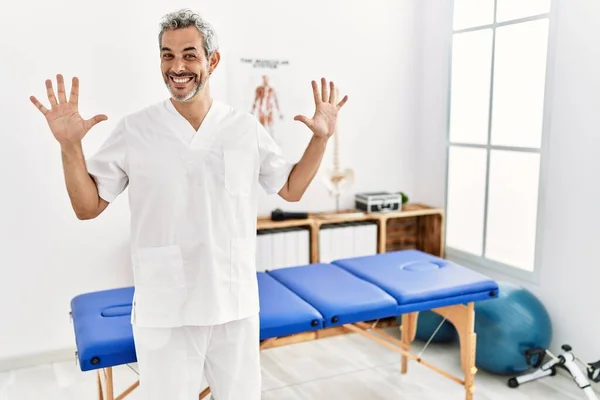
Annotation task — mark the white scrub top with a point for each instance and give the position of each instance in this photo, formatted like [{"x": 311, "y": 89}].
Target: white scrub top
[{"x": 193, "y": 201}]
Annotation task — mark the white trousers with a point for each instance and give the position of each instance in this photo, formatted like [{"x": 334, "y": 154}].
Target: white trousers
[{"x": 172, "y": 361}]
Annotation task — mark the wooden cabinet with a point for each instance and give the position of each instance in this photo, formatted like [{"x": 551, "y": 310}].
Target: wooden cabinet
[{"x": 417, "y": 226}]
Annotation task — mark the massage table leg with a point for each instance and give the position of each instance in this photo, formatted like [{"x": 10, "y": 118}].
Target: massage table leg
[
  {"x": 409, "y": 332},
  {"x": 100, "y": 391},
  {"x": 204, "y": 393},
  {"x": 107, "y": 381},
  {"x": 397, "y": 345},
  {"x": 128, "y": 390},
  {"x": 463, "y": 319},
  {"x": 109, "y": 384},
  {"x": 461, "y": 316}
]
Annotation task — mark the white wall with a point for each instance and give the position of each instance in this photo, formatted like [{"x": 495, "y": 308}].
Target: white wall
[
  {"x": 434, "y": 32},
  {"x": 569, "y": 267},
  {"x": 48, "y": 256},
  {"x": 366, "y": 48}
]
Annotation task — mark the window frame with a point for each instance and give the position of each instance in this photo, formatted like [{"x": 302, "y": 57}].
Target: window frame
[{"x": 482, "y": 263}]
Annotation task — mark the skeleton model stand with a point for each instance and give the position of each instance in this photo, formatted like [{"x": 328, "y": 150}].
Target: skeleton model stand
[{"x": 567, "y": 361}]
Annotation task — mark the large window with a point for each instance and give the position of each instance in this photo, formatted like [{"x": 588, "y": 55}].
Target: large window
[{"x": 496, "y": 131}]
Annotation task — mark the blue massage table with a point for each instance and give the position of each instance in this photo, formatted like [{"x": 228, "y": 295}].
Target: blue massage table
[{"x": 350, "y": 294}]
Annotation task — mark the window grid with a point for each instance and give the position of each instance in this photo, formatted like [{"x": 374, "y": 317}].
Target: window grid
[{"x": 488, "y": 146}]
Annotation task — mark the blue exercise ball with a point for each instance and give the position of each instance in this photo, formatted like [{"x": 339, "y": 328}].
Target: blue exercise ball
[
  {"x": 428, "y": 322},
  {"x": 508, "y": 326}
]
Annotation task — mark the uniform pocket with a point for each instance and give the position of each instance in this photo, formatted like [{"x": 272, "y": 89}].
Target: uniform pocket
[
  {"x": 160, "y": 287},
  {"x": 239, "y": 171}
]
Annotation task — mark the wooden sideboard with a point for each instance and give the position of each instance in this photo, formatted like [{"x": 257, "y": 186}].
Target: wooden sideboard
[{"x": 416, "y": 226}]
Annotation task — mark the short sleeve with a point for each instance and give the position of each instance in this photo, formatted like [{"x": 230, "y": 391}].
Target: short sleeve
[
  {"x": 274, "y": 167},
  {"x": 107, "y": 165}
]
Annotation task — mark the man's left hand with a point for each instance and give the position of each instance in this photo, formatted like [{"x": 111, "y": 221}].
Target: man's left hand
[{"x": 323, "y": 122}]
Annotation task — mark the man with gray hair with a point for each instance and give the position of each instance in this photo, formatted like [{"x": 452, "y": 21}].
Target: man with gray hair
[{"x": 193, "y": 166}]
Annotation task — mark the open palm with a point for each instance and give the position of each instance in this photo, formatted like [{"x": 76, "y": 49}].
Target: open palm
[
  {"x": 324, "y": 120},
  {"x": 63, "y": 118}
]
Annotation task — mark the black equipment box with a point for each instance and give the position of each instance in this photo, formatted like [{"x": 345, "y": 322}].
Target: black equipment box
[{"x": 378, "y": 201}]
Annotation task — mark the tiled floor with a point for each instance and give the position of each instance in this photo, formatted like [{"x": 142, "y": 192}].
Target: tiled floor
[{"x": 347, "y": 367}]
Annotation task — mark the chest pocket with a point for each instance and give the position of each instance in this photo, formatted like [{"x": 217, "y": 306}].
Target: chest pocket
[{"x": 239, "y": 171}]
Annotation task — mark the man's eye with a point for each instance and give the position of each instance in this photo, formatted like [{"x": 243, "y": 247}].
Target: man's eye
[{"x": 190, "y": 56}]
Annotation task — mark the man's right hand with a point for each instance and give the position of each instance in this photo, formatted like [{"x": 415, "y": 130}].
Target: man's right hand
[{"x": 67, "y": 126}]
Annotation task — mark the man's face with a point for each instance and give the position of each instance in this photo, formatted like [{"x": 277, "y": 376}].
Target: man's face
[{"x": 184, "y": 65}]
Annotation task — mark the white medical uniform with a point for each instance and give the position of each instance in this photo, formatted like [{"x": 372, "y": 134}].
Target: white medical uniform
[{"x": 193, "y": 200}]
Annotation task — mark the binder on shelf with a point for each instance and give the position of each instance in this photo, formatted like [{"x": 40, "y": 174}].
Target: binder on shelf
[
  {"x": 344, "y": 240},
  {"x": 282, "y": 247}
]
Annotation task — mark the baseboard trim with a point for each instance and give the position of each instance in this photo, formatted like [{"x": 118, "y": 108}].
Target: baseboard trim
[{"x": 33, "y": 360}]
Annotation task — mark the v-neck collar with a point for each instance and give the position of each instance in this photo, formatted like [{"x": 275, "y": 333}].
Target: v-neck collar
[{"x": 208, "y": 128}]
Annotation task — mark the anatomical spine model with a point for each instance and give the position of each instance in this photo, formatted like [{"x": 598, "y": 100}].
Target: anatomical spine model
[{"x": 335, "y": 179}]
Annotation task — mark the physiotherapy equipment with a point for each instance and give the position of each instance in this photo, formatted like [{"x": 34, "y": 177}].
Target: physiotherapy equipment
[
  {"x": 351, "y": 294},
  {"x": 509, "y": 326},
  {"x": 378, "y": 201},
  {"x": 566, "y": 360}
]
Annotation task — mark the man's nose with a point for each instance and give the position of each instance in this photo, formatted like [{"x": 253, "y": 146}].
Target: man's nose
[{"x": 178, "y": 65}]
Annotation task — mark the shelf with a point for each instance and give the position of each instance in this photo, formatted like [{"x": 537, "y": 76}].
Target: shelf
[
  {"x": 416, "y": 226},
  {"x": 409, "y": 210}
]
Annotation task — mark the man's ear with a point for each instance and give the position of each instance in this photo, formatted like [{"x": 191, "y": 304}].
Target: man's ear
[{"x": 213, "y": 61}]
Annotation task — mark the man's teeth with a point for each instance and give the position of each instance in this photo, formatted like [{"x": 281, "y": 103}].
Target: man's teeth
[{"x": 182, "y": 80}]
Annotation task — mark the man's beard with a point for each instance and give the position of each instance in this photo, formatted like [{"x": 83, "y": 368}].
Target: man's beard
[{"x": 190, "y": 95}]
